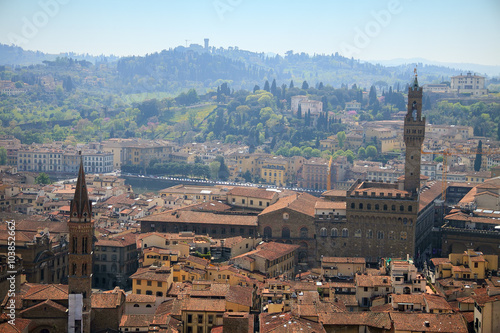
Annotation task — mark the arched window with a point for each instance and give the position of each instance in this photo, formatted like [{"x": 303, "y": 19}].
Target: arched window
[
  {"x": 303, "y": 232},
  {"x": 393, "y": 208},
  {"x": 74, "y": 269},
  {"x": 285, "y": 233},
  {"x": 322, "y": 232},
  {"x": 377, "y": 207},
  {"x": 380, "y": 235},
  {"x": 403, "y": 235},
  {"x": 391, "y": 234},
  {"x": 353, "y": 205},
  {"x": 405, "y": 220},
  {"x": 357, "y": 233},
  {"x": 345, "y": 232},
  {"x": 410, "y": 208},
  {"x": 360, "y": 206},
  {"x": 385, "y": 207},
  {"x": 334, "y": 232},
  {"x": 268, "y": 232},
  {"x": 368, "y": 206},
  {"x": 400, "y": 220},
  {"x": 136, "y": 305},
  {"x": 401, "y": 208},
  {"x": 369, "y": 234}
]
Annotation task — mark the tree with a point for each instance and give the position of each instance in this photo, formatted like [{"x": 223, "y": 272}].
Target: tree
[
  {"x": 223, "y": 173},
  {"x": 3, "y": 156},
  {"x": 498, "y": 131},
  {"x": 361, "y": 152},
  {"x": 266, "y": 86},
  {"x": 372, "y": 96},
  {"x": 341, "y": 138},
  {"x": 255, "y": 88},
  {"x": 305, "y": 85},
  {"x": 371, "y": 151},
  {"x": 439, "y": 159},
  {"x": 299, "y": 112},
  {"x": 479, "y": 156},
  {"x": 291, "y": 84},
  {"x": 43, "y": 179},
  {"x": 274, "y": 88}
]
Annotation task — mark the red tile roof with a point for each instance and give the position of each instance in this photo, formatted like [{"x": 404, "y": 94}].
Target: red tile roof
[
  {"x": 201, "y": 217},
  {"x": 371, "y": 319},
  {"x": 416, "y": 322},
  {"x": 252, "y": 192},
  {"x": 300, "y": 202}
]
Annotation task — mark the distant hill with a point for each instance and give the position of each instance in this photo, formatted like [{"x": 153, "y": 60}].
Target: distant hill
[
  {"x": 17, "y": 56},
  {"x": 196, "y": 67}
]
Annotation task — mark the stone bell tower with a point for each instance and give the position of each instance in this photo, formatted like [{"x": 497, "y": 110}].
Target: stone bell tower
[
  {"x": 414, "y": 133},
  {"x": 81, "y": 235}
]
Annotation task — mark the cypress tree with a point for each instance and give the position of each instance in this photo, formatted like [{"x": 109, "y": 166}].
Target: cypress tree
[{"x": 478, "y": 160}]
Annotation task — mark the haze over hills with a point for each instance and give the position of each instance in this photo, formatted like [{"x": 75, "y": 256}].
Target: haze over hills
[
  {"x": 487, "y": 70},
  {"x": 201, "y": 68}
]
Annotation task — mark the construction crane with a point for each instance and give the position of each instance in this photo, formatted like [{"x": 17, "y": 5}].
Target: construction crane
[
  {"x": 329, "y": 175},
  {"x": 449, "y": 152}
]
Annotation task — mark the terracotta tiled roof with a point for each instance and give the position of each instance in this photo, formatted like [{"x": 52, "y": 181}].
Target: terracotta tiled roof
[
  {"x": 416, "y": 322},
  {"x": 440, "y": 261},
  {"x": 467, "y": 218},
  {"x": 203, "y": 304},
  {"x": 326, "y": 204},
  {"x": 286, "y": 322},
  {"x": 48, "y": 303},
  {"x": 272, "y": 250},
  {"x": 372, "y": 281},
  {"x": 151, "y": 274},
  {"x": 240, "y": 295},
  {"x": 142, "y": 320},
  {"x": 436, "y": 302},
  {"x": 117, "y": 241},
  {"x": 135, "y": 298},
  {"x": 252, "y": 192},
  {"x": 429, "y": 193},
  {"x": 412, "y": 298},
  {"x": 47, "y": 291},
  {"x": 107, "y": 300},
  {"x": 19, "y": 326},
  {"x": 201, "y": 217},
  {"x": 370, "y": 319},
  {"x": 300, "y": 202}
]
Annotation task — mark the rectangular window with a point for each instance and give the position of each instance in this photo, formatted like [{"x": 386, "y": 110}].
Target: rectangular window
[
  {"x": 149, "y": 283},
  {"x": 138, "y": 282}
]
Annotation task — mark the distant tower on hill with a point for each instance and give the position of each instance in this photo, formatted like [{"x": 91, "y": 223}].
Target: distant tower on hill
[
  {"x": 81, "y": 245},
  {"x": 206, "y": 43},
  {"x": 414, "y": 132}
]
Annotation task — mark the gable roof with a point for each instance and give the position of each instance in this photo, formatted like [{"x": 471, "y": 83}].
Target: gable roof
[
  {"x": 300, "y": 202},
  {"x": 47, "y": 292}
]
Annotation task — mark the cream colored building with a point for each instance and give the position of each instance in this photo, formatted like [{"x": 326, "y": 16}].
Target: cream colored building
[
  {"x": 342, "y": 266},
  {"x": 469, "y": 83}
]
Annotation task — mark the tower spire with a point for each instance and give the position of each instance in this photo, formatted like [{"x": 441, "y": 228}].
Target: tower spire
[{"x": 80, "y": 206}]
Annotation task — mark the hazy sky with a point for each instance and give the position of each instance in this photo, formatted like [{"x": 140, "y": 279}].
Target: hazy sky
[{"x": 439, "y": 30}]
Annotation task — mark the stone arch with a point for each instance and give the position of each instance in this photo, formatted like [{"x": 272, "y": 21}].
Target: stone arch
[
  {"x": 268, "y": 232},
  {"x": 285, "y": 232},
  {"x": 457, "y": 248}
]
